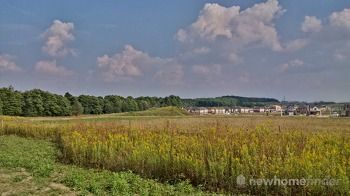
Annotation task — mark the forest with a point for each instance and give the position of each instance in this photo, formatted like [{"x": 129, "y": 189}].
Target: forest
[
  {"x": 37, "y": 102},
  {"x": 228, "y": 101}
]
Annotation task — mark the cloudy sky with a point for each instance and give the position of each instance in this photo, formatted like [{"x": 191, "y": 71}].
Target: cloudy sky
[{"x": 299, "y": 50}]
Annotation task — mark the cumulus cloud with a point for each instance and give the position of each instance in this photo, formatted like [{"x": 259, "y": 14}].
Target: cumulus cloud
[
  {"x": 128, "y": 63},
  {"x": 7, "y": 63},
  {"x": 57, "y": 37},
  {"x": 340, "y": 19},
  {"x": 51, "y": 68},
  {"x": 253, "y": 25},
  {"x": 291, "y": 64},
  {"x": 133, "y": 63},
  {"x": 295, "y": 45},
  {"x": 311, "y": 24}
]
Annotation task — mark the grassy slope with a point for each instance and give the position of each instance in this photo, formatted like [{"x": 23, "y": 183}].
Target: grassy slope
[
  {"x": 150, "y": 113},
  {"x": 29, "y": 166},
  {"x": 164, "y": 111}
]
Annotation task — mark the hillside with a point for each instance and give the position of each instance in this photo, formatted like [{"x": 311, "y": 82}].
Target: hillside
[
  {"x": 228, "y": 101},
  {"x": 163, "y": 111}
]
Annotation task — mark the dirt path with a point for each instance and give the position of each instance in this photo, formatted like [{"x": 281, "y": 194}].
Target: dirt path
[{"x": 20, "y": 182}]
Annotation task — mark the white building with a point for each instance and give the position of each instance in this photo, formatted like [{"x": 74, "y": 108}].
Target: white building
[
  {"x": 202, "y": 111},
  {"x": 219, "y": 110},
  {"x": 245, "y": 110}
]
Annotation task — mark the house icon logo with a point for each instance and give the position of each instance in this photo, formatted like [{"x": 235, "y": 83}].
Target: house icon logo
[{"x": 240, "y": 180}]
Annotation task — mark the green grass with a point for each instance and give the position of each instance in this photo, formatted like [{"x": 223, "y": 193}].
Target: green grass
[
  {"x": 38, "y": 157},
  {"x": 164, "y": 111}
]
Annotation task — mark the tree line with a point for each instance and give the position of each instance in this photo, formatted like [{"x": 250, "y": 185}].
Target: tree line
[
  {"x": 37, "y": 102},
  {"x": 228, "y": 101}
]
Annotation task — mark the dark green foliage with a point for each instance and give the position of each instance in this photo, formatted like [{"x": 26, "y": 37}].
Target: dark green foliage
[
  {"x": 42, "y": 103},
  {"x": 0, "y": 107},
  {"x": 70, "y": 98},
  {"x": 12, "y": 101},
  {"x": 228, "y": 101},
  {"x": 33, "y": 103},
  {"x": 77, "y": 108},
  {"x": 130, "y": 105},
  {"x": 91, "y": 104},
  {"x": 113, "y": 104},
  {"x": 64, "y": 105}
]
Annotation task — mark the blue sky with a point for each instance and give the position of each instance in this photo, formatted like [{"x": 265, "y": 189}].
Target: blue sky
[{"x": 296, "y": 49}]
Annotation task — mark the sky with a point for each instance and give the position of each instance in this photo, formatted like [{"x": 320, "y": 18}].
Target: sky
[{"x": 297, "y": 50}]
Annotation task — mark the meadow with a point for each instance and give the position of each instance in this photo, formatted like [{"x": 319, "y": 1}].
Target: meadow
[{"x": 209, "y": 152}]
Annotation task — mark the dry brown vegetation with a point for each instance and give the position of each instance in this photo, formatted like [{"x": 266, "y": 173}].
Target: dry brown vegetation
[{"x": 209, "y": 151}]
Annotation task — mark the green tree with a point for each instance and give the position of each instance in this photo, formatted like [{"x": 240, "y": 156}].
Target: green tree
[
  {"x": 12, "y": 101},
  {"x": 64, "y": 105},
  {"x": 112, "y": 104},
  {"x": 77, "y": 108},
  {"x": 131, "y": 104},
  {"x": 0, "y": 107},
  {"x": 91, "y": 104},
  {"x": 33, "y": 103},
  {"x": 70, "y": 98}
]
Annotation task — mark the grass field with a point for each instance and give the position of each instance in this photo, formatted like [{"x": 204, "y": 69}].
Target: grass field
[
  {"x": 209, "y": 152},
  {"x": 30, "y": 167}
]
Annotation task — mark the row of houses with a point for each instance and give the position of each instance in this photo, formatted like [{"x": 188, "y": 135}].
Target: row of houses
[
  {"x": 317, "y": 110},
  {"x": 288, "y": 110}
]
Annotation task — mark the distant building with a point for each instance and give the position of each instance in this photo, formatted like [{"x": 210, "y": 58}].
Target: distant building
[
  {"x": 273, "y": 108},
  {"x": 289, "y": 111},
  {"x": 234, "y": 110},
  {"x": 219, "y": 110},
  {"x": 198, "y": 110},
  {"x": 216, "y": 110},
  {"x": 347, "y": 109},
  {"x": 303, "y": 110},
  {"x": 245, "y": 110},
  {"x": 315, "y": 111}
]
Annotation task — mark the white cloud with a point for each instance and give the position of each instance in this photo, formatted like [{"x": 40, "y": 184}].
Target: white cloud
[
  {"x": 296, "y": 44},
  {"x": 215, "y": 20},
  {"x": 129, "y": 63},
  {"x": 57, "y": 37},
  {"x": 253, "y": 25},
  {"x": 339, "y": 56},
  {"x": 182, "y": 35},
  {"x": 340, "y": 19},
  {"x": 7, "y": 63},
  {"x": 291, "y": 64},
  {"x": 311, "y": 24},
  {"x": 233, "y": 58},
  {"x": 208, "y": 71},
  {"x": 201, "y": 50},
  {"x": 342, "y": 53},
  {"x": 133, "y": 63},
  {"x": 52, "y": 69}
]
